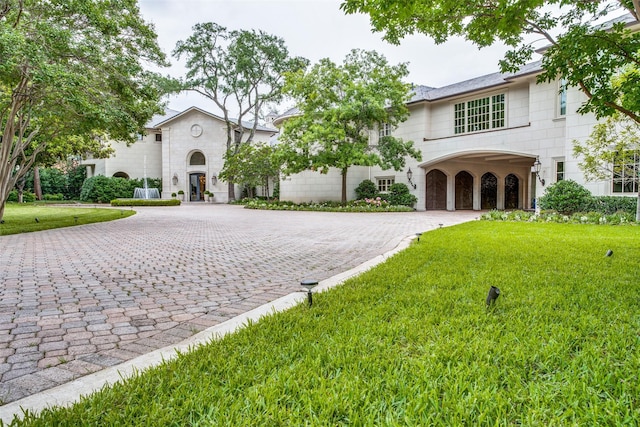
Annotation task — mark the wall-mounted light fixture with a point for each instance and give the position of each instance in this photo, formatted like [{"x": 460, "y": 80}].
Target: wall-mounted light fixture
[
  {"x": 409, "y": 177},
  {"x": 536, "y": 168},
  {"x": 174, "y": 180},
  {"x": 214, "y": 179}
]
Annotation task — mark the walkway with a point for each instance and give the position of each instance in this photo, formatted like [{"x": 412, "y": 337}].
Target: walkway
[{"x": 78, "y": 300}]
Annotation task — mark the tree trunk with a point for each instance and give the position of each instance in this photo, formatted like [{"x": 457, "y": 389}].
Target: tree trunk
[
  {"x": 20, "y": 185},
  {"x": 344, "y": 186},
  {"x": 232, "y": 192},
  {"x": 37, "y": 186}
]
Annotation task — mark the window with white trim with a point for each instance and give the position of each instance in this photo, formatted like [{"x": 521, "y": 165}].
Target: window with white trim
[
  {"x": 562, "y": 98},
  {"x": 559, "y": 170},
  {"x": 385, "y": 130},
  {"x": 479, "y": 114},
  {"x": 625, "y": 172},
  {"x": 384, "y": 184}
]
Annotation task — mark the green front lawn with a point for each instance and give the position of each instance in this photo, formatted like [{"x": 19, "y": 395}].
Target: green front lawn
[
  {"x": 411, "y": 343},
  {"x": 21, "y": 218}
]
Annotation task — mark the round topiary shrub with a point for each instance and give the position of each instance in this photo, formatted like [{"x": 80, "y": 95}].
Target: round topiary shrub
[
  {"x": 366, "y": 190},
  {"x": 566, "y": 197},
  {"x": 399, "y": 195}
]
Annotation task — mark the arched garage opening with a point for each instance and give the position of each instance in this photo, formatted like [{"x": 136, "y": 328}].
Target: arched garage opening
[
  {"x": 479, "y": 179},
  {"x": 489, "y": 191},
  {"x": 464, "y": 191},
  {"x": 436, "y": 190},
  {"x": 511, "y": 192}
]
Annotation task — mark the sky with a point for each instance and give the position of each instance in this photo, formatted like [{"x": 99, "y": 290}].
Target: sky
[{"x": 314, "y": 29}]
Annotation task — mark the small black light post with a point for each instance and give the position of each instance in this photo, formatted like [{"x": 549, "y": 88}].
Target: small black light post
[
  {"x": 418, "y": 234},
  {"x": 75, "y": 219},
  {"x": 308, "y": 285},
  {"x": 494, "y": 293}
]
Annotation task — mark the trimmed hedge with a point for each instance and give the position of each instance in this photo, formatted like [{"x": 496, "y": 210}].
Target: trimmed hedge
[{"x": 145, "y": 202}]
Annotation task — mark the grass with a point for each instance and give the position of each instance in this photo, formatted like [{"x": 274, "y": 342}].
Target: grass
[
  {"x": 411, "y": 343},
  {"x": 21, "y": 218}
]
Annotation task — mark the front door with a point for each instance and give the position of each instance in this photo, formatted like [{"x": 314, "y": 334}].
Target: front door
[{"x": 197, "y": 185}]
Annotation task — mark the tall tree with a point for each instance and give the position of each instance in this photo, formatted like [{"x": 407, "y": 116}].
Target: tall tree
[
  {"x": 340, "y": 105},
  {"x": 585, "y": 54},
  {"x": 252, "y": 165},
  {"x": 71, "y": 74},
  {"x": 240, "y": 71},
  {"x": 613, "y": 149}
]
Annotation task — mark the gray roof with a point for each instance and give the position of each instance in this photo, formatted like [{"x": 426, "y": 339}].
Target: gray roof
[
  {"x": 169, "y": 114},
  {"x": 478, "y": 83}
]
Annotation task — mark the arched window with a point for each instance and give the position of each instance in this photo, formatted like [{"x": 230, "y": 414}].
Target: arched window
[
  {"x": 121, "y": 175},
  {"x": 197, "y": 159}
]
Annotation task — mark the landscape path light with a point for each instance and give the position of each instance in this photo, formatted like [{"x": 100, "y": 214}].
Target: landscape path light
[
  {"x": 494, "y": 293},
  {"x": 309, "y": 284}
]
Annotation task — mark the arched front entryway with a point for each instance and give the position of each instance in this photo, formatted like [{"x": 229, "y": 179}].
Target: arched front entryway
[
  {"x": 436, "y": 190},
  {"x": 464, "y": 191},
  {"x": 197, "y": 183},
  {"x": 511, "y": 191},
  {"x": 488, "y": 191}
]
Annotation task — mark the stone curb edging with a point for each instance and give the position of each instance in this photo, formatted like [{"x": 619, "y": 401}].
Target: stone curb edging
[{"x": 67, "y": 394}]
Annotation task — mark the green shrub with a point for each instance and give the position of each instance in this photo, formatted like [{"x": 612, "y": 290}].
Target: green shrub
[
  {"x": 58, "y": 196},
  {"x": 27, "y": 196},
  {"x": 366, "y": 190},
  {"x": 566, "y": 197},
  {"x": 611, "y": 204},
  {"x": 399, "y": 195},
  {"x": 103, "y": 189}
]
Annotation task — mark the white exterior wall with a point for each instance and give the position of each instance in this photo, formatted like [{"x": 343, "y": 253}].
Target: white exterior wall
[
  {"x": 132, "y": 159},
  {"x": 179, "y": 143},
  {"x": 178, "y": 146}
]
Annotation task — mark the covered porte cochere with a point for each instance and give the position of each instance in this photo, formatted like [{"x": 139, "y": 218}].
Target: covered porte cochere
[{"x": 480, "y": 180}]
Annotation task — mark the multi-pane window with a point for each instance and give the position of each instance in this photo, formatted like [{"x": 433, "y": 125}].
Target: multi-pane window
[
  {"x": 479, "y": 114},
  {"x": 384, "y": 184},
  {"x": 625, "y": 173},
  {"x": 385, "y": 130},
  {"x": 158, "y": 137},
  {"x": 559, "y": 171},
  {"x": 562, "y": 98},
  {"x": 459, "y": 117}
]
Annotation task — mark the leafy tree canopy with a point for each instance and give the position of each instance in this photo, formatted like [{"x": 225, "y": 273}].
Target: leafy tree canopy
[
  {"x": 585, "y": 54},
  {"x": 252, "y": 165},
  {"x": 71, "y": 74},
  {"x": 340, "y": 106}
]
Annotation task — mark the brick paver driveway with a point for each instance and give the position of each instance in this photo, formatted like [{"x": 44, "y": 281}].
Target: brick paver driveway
[{"x": 77, "y": 300}]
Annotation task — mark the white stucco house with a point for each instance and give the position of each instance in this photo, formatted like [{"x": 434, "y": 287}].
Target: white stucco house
[
  {"x": 186, "y": 149},
  {"x": 480, "y": 140}
]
